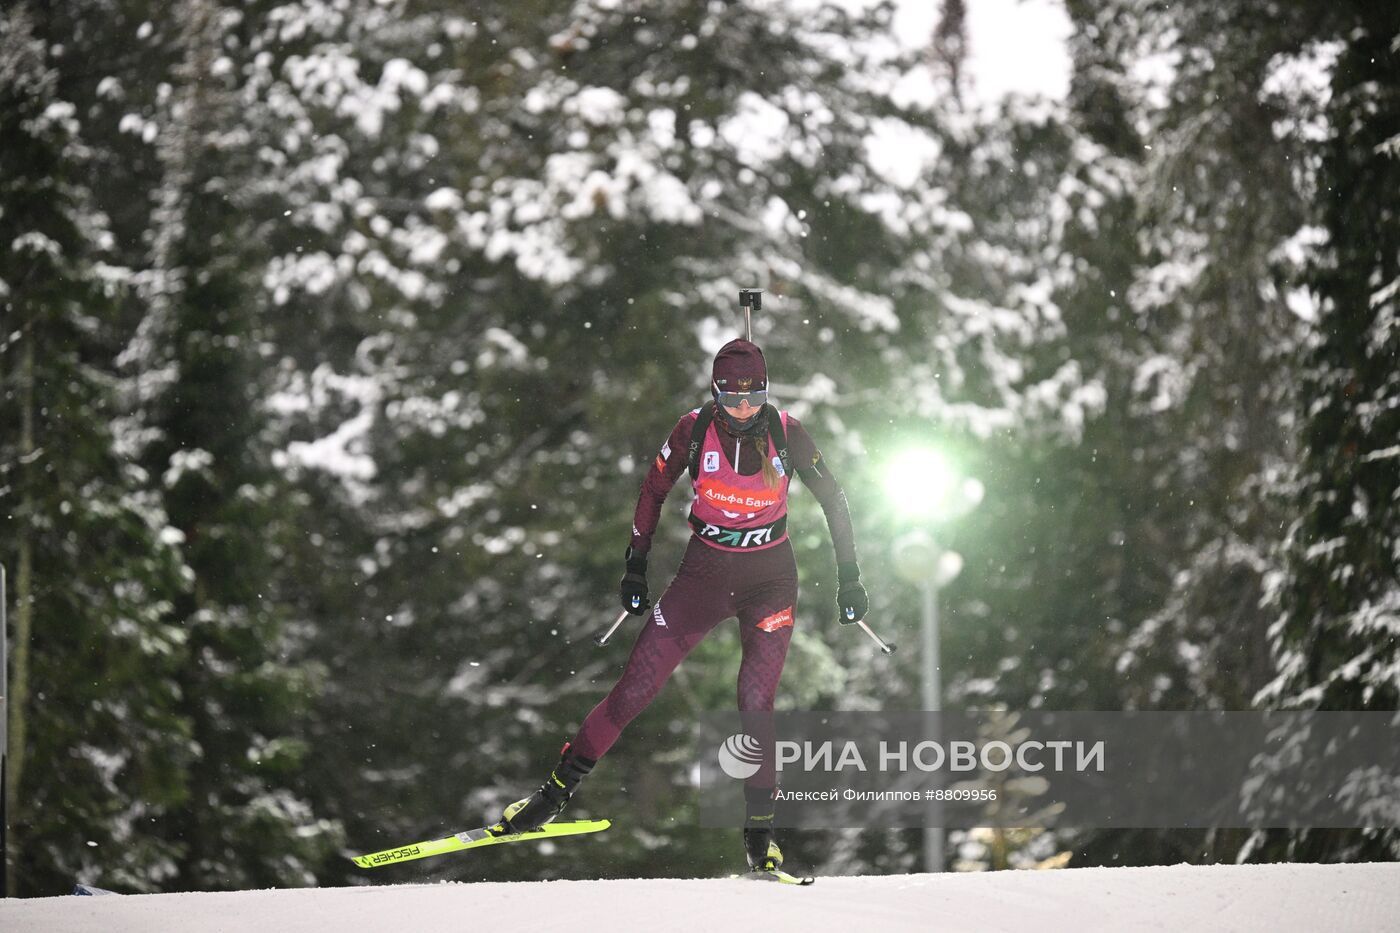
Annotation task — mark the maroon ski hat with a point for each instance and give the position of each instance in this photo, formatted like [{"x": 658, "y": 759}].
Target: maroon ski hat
[{"x": 739, "y": 367}]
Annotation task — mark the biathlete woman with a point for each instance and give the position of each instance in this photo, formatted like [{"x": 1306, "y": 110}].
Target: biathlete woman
[{"x": 740, "y": 452}]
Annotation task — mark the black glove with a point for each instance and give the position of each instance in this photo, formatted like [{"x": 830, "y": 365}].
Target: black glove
[
  {"x": 633, "y": 588},
  {"x": 851, "y": 599}
]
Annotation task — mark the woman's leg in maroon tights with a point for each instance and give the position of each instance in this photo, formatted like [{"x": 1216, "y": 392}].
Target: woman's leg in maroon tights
[{"x": 691, "y": 606}]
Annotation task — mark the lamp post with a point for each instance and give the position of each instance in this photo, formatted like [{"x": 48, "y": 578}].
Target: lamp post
[{"x": 925, "y": 487}]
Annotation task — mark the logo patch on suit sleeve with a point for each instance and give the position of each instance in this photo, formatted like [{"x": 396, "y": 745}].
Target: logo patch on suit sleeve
[{"x": 777, "y": 620}]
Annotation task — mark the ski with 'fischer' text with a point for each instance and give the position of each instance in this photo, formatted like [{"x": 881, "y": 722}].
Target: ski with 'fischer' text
[{"x": 476, "y": 839}]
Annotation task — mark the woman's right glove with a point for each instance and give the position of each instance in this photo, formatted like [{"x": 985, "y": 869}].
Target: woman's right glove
[
  {"x": 633, "y": 588},
  {"x": 851, "y": 598}
]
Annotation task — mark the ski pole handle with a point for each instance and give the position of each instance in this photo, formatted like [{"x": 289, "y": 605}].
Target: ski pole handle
[
  {"x": 602, "y": 640},
  {"x": 887, "y": 648}
]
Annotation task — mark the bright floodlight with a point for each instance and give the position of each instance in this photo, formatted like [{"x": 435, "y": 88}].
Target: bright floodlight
[{"x": 921, "y": 483}]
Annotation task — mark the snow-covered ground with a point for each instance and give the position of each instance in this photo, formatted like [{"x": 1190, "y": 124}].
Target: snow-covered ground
[{"x": 1272, "y": 898}]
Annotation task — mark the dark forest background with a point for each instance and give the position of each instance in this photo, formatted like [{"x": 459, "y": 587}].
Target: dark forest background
[{"x": 337, "y": 335}]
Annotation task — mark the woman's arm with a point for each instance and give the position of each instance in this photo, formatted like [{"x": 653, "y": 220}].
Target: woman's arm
[
  {"x": 662, "y": 474},
  {"x": 817, "y": 476}
]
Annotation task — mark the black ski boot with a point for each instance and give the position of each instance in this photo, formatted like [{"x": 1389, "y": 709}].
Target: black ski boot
[
  {"x": 548, "y": 802},
  {"x": 763, "y": 853}
]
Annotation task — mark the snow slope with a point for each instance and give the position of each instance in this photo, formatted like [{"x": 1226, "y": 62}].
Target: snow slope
[{"x": 1178, "y": 898}]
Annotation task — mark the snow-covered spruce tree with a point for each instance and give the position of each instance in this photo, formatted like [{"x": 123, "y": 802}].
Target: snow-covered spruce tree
[
  {"x": 98, "y": 741},
  {"x": 1224, "y": 192},
  {"x": 1341, "y": 598},
  {"x": 1220, "y": 199},
  {"x": 196, "y": 362},
  {"x": 1337, "y": 638}
]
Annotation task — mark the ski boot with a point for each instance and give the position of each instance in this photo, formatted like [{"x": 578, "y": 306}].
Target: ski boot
[
  {"x": 762, "y": 851},
  {"x": 549, "y": 801},
  {"x": 765, "y": 858}
]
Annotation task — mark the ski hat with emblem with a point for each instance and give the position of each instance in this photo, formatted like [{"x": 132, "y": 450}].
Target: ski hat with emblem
[{"x": 739, "y": 367}]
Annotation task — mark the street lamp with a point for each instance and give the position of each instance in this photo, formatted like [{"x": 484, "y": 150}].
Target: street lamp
[{"x": 924, "y": 486}]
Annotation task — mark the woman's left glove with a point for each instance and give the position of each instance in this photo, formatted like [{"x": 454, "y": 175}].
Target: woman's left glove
[{"x": 851, "y": 597}]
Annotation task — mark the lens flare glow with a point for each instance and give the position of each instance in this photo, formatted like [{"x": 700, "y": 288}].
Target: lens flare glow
[{"x": 922, "y": 483}]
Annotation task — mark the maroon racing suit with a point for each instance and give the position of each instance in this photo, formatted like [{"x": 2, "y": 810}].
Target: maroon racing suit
[{"x": 719, "y": 578}]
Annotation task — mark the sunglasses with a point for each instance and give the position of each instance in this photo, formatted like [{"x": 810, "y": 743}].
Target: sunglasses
[{"x": 756, "y": 399}]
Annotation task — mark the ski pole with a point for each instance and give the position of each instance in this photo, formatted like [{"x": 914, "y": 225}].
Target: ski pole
[
  {"x": 602, "y": 640},
  {"x": 887, "y": 648}
]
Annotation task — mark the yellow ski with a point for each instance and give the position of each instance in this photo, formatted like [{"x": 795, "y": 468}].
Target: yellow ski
[
  {"x": 475, "y": 839},
  {"x": 776, "y": 875}
]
